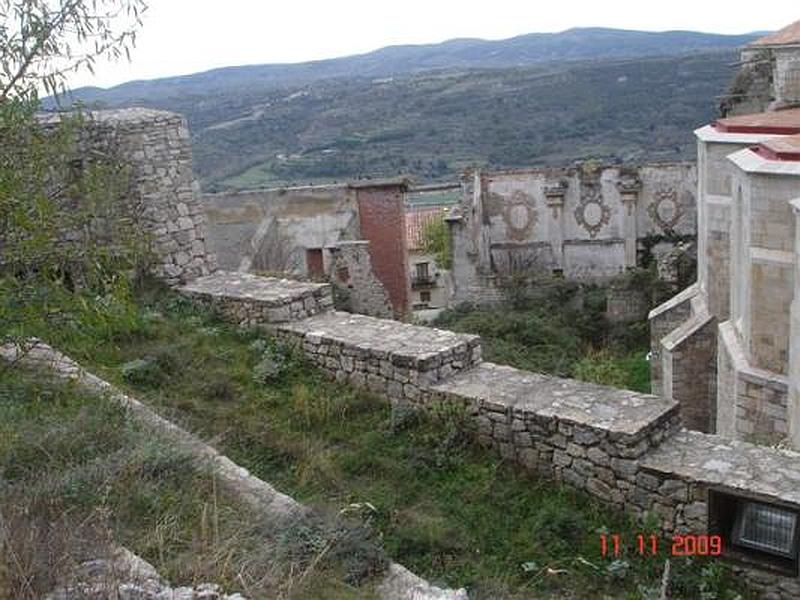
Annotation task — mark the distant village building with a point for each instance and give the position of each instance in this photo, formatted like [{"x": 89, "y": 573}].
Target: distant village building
[
  {"x": 353, "y": 234},
  {"x": 728, "y": 348},
  {"x": 769, "y": 77}
]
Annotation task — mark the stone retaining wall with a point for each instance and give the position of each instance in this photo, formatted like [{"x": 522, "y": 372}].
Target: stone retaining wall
[
  {"x": 585, "y": 435},
  {"x": 620, "y": 446},
  {"x": 386, "y": 357},
  {"x": 250, "y": 301}
]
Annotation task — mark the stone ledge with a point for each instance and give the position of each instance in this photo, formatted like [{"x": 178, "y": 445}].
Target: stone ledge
[
  {"x": 251, "y": 300},
  {"x": 401, "y": 344},
  {"x": 751, "y": 469},
  {"x": 624, "y": 413},
  {"x": 674, "y": 302},
  {"x": 268, "y": 290}
]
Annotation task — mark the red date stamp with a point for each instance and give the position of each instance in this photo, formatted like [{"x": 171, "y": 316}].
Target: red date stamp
[{"x": 613, "y": 545}]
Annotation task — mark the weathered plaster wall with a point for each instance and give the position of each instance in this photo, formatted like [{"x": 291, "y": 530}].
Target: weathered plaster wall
[
  {"x": 270, "y": 229},
  {"x": 585, "y": 222},
  {"x": 275, "y": 230}
]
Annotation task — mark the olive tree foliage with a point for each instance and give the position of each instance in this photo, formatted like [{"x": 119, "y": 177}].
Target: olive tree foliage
[
  {"x": 68, "y": 248},
  {"x": 43, "y": 41}
]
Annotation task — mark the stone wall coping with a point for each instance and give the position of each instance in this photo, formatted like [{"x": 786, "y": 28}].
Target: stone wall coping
[
  {"x": 750, "y": 162},
  {"x": 118, "y": 116},
  {"x": 742, "y": 366},
  {"x": 708, "y": 133},
  {"x": 396, "y": 341},
  {"x": 675, "y": 301},
  {"x": 684, "y": 332},
  {"x": 266, "y": 290},
  {"x": 754, "y": 470},
  {"x": 502, "y": 388}
]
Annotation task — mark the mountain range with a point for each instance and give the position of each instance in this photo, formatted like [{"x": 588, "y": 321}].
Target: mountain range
[{"x": 431, "y": 110}]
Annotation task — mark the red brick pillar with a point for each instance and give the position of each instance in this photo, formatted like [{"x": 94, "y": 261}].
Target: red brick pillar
[{"x": 381, "y": 210}]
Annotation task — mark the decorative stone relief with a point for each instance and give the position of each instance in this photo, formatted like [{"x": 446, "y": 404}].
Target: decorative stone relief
[
  {"x": 520, "y": 215},
  {"x": 591, "y": 213},
  {"x": 555, "y": 196},
  {"x": 665, "y": 210}
]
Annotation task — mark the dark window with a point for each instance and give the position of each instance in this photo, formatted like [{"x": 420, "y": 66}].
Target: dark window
[
  {"x": 422, "y": 270},
  {"x": 425, "y": 297},
  {"x": 756, "y": 533}
]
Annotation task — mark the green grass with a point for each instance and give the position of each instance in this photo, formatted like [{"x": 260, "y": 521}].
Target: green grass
[
  {"x": 561, "y": 330},
  {"x": 445, "y": 508},
  {"x": 78, "y": 476}
]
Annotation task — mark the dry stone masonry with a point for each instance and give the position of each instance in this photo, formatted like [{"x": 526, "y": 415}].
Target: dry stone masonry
[
  {"x": 249, "y": 300},
  {"x": 163, "y": 197},
  {"x": 626, "y": 449},
  {"x": 387, "y": 357},
  {"x": 586, "y": 435}
]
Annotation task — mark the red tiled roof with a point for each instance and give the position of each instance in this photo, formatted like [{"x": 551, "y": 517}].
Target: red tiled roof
[
  {"x": 784, "y": 149},
  {"x": 416, "y": 220},
  {"x": 788, "y": 35},
  {"x": 779, "y": 122}
]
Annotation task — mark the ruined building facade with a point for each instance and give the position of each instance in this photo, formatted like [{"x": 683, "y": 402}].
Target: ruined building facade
[
  {"x": 586, "y": 223},
  {"x": 352, "y": 234}
]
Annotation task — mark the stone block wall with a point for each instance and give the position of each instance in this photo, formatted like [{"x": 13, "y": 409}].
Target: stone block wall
[
  {"x": 756, "y": 407},
  {"x": 689, "y": 357},
  {"x": 386, "y": 357},
  {"x": 251, "y": 301},
  {"x": 587, "y": 436},
  {"x": 663, "y": 320},
  {"x": 355, "y": 280},
  {"x": 163, "y": 197}
]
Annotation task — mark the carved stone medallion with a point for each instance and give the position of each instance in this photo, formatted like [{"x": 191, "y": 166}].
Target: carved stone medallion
[
  {"x": 665, "y": 210},
  {"x": 592, "y": 214},
  {"x": 520, "y": 215}
]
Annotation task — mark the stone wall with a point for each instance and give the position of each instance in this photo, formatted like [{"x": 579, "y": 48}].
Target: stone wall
[
  {"x": 249, "y": 301},
  {"x": 585, "y": 435},
  {"x": 587, "y": 223},
  {"x": 623, "y": 447},
  {"x": 389, "y": 358},
  {"x": 163, "y": 197},
  {"x": 355, "y": 281}
]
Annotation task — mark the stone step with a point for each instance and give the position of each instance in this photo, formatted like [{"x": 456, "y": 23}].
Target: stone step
[
  {"x": 386, "y": 356},
  {"x": 252, "y": 300}
]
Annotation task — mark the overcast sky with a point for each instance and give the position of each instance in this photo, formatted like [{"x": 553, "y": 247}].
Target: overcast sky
[{"x": 186, "y": 36}]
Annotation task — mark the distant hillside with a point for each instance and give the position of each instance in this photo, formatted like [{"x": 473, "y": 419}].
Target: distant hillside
[{"x": 431, "y": 110}]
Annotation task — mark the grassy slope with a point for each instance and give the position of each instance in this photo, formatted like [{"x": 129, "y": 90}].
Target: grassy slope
[
  {"x": 560, "y": 330},
  {"x": 77, "y": 476},
  {"x": 444, "y": 508}
]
